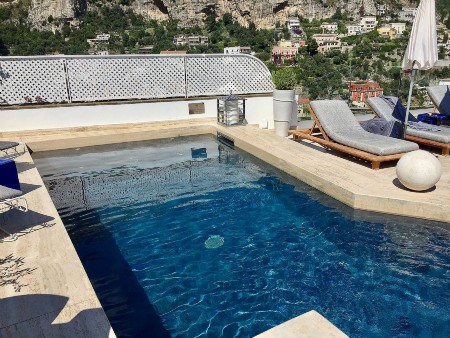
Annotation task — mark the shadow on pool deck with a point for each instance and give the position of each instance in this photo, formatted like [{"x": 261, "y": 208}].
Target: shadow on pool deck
[
  {"x": 47, "y": 307},
  {"x": 20, "y": 223}
]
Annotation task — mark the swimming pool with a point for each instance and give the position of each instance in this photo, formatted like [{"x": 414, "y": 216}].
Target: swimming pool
[{"x": 186, "y": 237}]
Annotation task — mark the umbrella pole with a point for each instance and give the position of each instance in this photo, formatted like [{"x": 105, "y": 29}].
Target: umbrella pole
[{"x": 413, "y": 75}]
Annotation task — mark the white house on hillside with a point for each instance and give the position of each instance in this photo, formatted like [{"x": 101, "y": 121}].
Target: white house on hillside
[
  {"x": 327, "y": 42},
  {"x": 368, "y": 23},
  {"x": 329, "y": 27},
  {"x": 407, "y": 14},
  {"x": 237, "y": 50},
  {"x": 353, "y": 29}
]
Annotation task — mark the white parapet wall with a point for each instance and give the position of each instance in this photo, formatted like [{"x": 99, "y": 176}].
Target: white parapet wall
[
  {"x": 16, "y": 119},
  {"x": 45, "y": 92}
]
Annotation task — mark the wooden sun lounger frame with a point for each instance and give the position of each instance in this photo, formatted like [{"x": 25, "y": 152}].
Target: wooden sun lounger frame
[
  {"x": 328, "y": 143},
  {"x": 445, "y": 147}
]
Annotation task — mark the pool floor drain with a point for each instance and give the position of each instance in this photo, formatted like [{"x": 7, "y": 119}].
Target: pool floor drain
[{"x": 214, "y": 242}]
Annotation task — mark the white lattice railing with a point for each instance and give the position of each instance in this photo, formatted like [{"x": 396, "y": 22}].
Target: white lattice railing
[{"x": 125, "y": 77}]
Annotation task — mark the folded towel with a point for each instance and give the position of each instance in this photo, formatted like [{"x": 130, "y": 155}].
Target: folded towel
[{"x": 422, "y": 126}]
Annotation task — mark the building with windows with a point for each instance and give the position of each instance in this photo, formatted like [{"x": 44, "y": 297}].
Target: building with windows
[
  {"x": 353, "y": 29},
  {"x": 291, "y": 43},
  {"x": 381, "y": 10},
  {"x": 327, "y": 42},
  {"x": 362, "y": 90},
  {"x": 398, "y": 28},
  {"x": 329, "y": 27},
  {"x": 368, "y": 23},
  {"x": 293, "y": 25},
  {"x": 100, "y": 38},
  {"x": 280, "y": 54},
  {"x": 237, "y": 50},
  {"x": 392, "y": 31},
  {"x": 190, "y": 40},
  {"x": 407, "y": 14}
]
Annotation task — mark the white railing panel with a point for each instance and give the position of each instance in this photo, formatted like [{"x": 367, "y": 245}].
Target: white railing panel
[
  {"x": 27, "y": 77},
  {"x": 125, "y": 77},
  {"x": 220, "y": 74}
]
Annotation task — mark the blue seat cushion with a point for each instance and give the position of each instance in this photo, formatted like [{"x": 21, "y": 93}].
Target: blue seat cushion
[{"x": 8, "y": 174}]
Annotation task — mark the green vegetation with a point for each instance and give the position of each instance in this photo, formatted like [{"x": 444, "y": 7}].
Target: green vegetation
[
  {"x": 284, "y": 79},
  {"x": 366, "y": 56},
  {"x": 128, "y": 31}
]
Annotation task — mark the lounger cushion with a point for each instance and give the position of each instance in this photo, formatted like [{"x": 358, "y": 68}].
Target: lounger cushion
[
  {"x": 341, "y": 126},
  {"x": 384, "y": 110},
  {"x": 440, "y": 95}
]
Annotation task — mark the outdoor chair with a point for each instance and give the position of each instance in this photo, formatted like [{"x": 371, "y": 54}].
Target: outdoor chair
[
  {"x": 6, "y": 145},
  {"x": 392, "y": 109},
  {"x": 337, "y": 128},
  {"x": 10, "y": 192},
  {"x": 440, "y": 96}
]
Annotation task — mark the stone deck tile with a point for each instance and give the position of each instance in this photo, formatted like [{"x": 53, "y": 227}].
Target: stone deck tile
[{"x": 308, "y": 325}]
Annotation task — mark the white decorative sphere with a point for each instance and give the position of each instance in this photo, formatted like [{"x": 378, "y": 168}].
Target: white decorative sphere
[{"x": 419, "y": 170}]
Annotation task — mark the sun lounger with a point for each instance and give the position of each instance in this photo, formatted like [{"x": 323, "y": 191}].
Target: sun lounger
[
  {"x": 435, "y": 136},
  {"x": 340, "y": 130},
  {"x": 10, "y": 192},
  {"x": 440, "y": 96}
]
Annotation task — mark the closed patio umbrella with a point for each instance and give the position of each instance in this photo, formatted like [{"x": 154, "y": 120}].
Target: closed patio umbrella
[{"x": 422, "y": 51}]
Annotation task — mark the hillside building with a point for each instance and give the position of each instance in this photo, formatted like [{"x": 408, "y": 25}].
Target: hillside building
[
  {"x": 190, "y": 40},
  {"x": 280, "y": 54},
  {"x": 237, "y": 50},
  {"x": 329, "y": 27},
  {"x": 353, "y": 29},
  {"x": 407, "y": 14},
  {"x": 293, "y": 25},
  {"x": 393, "y": 30},
  {"x": 291, "y": 43},
  {"x": 327, "y": 42},
  {"x": 362, "y": 90},
  {"x": 381, "y": 9},
  {"x": 368, "y": 23},
  {"x": 100, "y": 38}
]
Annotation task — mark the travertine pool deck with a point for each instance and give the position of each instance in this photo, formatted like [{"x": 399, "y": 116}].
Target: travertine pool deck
[
  {"x": 56, "y": 298},
  {"x": 344, "y": 178},
  {"x": 45, "y": 291}
]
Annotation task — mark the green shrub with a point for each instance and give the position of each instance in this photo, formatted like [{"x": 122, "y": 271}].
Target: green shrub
[{"x": 284, "y": 79}]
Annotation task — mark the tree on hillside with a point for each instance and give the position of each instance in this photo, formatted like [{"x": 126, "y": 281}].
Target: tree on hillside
[{"x": 312, "y": 46}]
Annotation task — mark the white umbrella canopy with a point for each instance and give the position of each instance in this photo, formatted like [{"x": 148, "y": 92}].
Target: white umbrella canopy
[{"x": 422, "y": 50}]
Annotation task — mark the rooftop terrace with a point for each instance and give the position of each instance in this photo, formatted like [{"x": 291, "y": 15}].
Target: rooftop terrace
[{"x": 52, "y": 293}]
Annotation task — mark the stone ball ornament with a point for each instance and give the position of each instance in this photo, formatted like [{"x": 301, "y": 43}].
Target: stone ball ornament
[{"x": 419, "y": 170}]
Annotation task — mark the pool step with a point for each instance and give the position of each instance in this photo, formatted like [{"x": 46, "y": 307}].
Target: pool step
[{"x": 308, "y": 325}]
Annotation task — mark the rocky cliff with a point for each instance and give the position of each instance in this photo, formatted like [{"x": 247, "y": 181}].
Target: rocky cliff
[{"x": 264, "y": 13}]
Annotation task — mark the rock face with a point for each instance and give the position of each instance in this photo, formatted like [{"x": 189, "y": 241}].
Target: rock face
[
  {"x": 43, "y": 11},
  {"x": 264, "y": 13}
]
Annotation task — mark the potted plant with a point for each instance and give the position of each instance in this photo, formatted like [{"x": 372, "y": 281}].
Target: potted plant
[{"x": 284, "y": 80}]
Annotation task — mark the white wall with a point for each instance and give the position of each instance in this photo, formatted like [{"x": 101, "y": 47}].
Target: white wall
[{"x": 257, "y": 109}]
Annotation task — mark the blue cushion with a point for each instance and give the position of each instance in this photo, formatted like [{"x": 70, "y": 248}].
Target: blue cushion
[{"x": 8, "y": 174}]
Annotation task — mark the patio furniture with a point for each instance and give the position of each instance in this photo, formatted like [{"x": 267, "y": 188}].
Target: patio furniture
[
  {"x": 338, "y": 129},
  {"x": 10, "y": 192},
  {"x": 440, "y": 96},
  {"x": 6, "y": 145},
  {"x": 390, "y": 109}
]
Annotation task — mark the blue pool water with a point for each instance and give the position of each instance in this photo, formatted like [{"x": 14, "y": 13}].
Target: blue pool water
[{"x": 140, "y": 216}]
